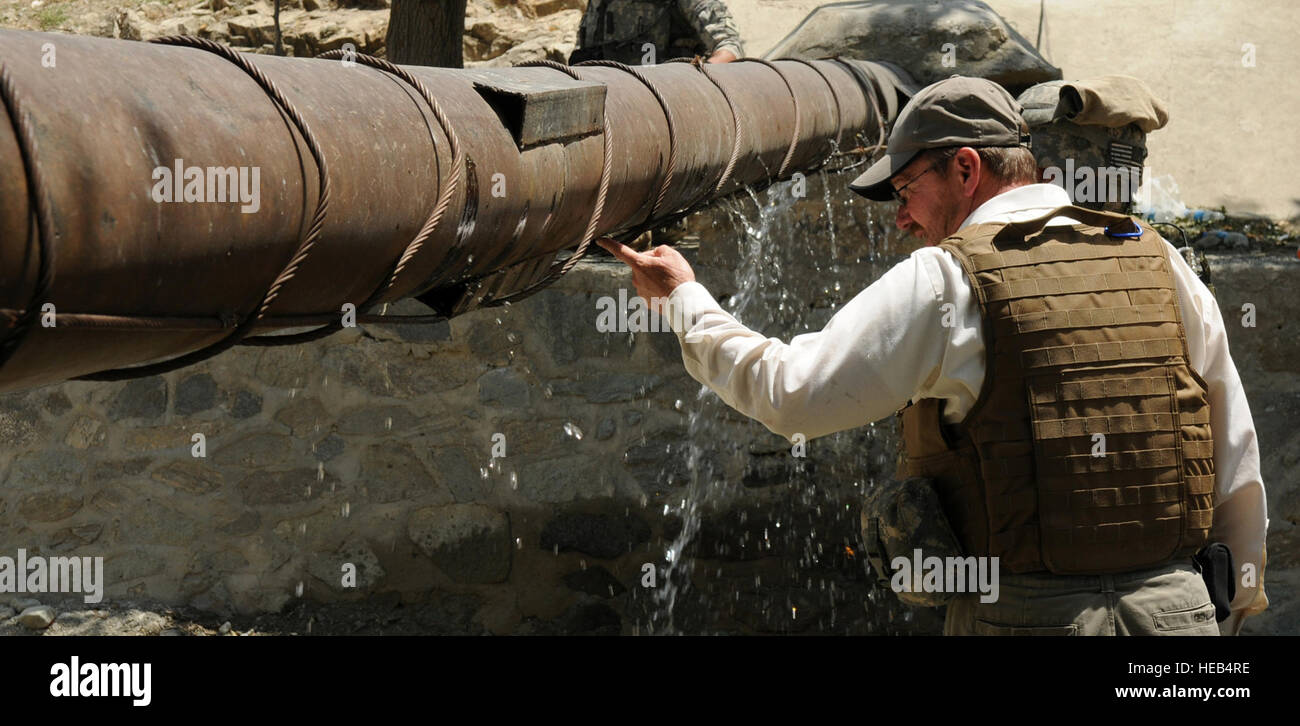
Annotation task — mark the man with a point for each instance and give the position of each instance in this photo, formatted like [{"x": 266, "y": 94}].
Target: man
[
  {"x": 645, "y": 32},
  {"x": 1083, "y": 457}
]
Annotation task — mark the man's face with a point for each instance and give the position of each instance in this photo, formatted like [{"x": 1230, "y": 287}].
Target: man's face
[{"x": 931, "y": 203}]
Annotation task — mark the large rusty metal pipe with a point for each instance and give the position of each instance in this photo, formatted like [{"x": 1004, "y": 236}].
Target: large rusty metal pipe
[{"x": 105, "y": 116}]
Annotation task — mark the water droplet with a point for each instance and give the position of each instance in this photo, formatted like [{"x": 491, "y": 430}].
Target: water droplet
[
  {"x": 573, "y": 430},
  {"x": 388, "y": 423},
  {"x": 677, "y": 405},
  {"x": 514, "y": 480},
  {"x": 347, "y": 509},
  {"x": 297, "y": 591},
  {"x": 483, "y": 472},
  {"x": 519, "y": 543},
  {"x": 320, "y": 471}
]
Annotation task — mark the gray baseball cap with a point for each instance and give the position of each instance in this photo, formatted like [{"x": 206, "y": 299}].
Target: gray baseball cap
[{"x": 957, "y": 111}]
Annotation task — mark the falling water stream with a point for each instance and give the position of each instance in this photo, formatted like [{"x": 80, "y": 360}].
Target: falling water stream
[{"x": 793, "y": 266}]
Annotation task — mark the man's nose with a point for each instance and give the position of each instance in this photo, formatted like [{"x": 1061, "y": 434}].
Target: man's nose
[{"x": 902, "y": 219}]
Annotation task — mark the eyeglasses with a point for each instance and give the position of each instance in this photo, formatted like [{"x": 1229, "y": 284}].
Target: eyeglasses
[{"x": 897, "y": 194}]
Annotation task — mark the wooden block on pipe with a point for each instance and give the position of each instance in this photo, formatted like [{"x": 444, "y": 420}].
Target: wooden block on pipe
[{"x": 543, "y": 111}]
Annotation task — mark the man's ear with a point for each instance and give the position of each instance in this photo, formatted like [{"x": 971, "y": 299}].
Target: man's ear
[{"x": 968, "y": 169}]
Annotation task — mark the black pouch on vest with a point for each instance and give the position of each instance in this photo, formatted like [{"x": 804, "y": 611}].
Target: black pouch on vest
[{"x": 1214, "y": 562}]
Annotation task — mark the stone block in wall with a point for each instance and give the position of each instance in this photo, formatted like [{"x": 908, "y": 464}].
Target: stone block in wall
[
  {"x": 503, "y": 387},
  {"x": 294, "y": 486},
  {"x": 49, "y": 506},
  {"x": 305, "y": 416},
  {"x": 376, "y": 420},
  {"x": 254, "y": 451},
  {"x": 606, "y": 536},
  {"x": 392, "y": 472},
  {"x": 191, "y": 477},
  {"x": 143, "y": 398},
  {"x": 85, "y": 432},
  {"x": 365, "y": 571},
  {"x": 195, "y": 393},
  {"x": 596, "y": 581},
  {"x": 565, "y": 479},
  {"x": 45, "y": 468},
  {"x": 469, "y": 543}
]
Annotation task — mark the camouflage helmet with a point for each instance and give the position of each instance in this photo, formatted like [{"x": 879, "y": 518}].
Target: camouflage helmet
[{"x": 1090, "y": 136}]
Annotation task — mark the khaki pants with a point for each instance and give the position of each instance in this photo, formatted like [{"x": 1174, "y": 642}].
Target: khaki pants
[{"x": 1167, "y": 600}]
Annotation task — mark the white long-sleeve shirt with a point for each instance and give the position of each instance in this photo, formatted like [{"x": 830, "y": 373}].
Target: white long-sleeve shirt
[{"x": 889, "y": 345}]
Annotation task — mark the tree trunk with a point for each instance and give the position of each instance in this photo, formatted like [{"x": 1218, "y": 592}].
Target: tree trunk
[{"x": 426, "y": 33}]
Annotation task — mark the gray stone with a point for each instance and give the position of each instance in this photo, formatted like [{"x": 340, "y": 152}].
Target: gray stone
[
  {"x": 564, "y": 479},
  {"x": 143, "y": 398},
  {"x": 6, "y": 612},
  {"x": 356, "y": 552},
  {"x": 600, "y": 535},
  {"x": 605, "y": 429},
  {"x": 379, "y": 420},
  {"x": 503, "y": 387},
  {"x": 49, "y": 466},
  {"x": 194, "y": 394},
  {"x": 70, "y": 538},
  {"x": 245, "y": 523},
  {"x": 662, "y": 460},
  {"x": 304, "y": 417},
  {"x": 631, "y": 417},
  {"x": 284, "y": 487},
  {"x": 454, "y": 467},
  {"x": 390, "y": 370},
  {"x": 289, "y": 366},
  {"x": 595, "y": 580},
  {"x": 57, "y": 403},
  {"x": 49, "y": 506},
  {"x": 255, "y": 451},
  {"x": 37, "y": 618},
  {"x": 328, "y": 448},
  {"x": 246, "y": 404},
  {"x": 469, "y": 543},
  {"x": 108, "y": 471},
  {"x": 193, "y": 477},
  {"x": 610, "y": 387},
  {"x": 578, "y": 337},
  {"x": 20, "y": 604},
  {"x": 148, "y": 521},
  {"x": 392, "y": 472},
  {"x": 913, "y": 35}
]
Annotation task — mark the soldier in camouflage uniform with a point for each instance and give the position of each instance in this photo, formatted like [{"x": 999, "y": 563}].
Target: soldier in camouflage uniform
[
  {"x": 1099, "y": 125},
  {"x": 619, "y": 30}
]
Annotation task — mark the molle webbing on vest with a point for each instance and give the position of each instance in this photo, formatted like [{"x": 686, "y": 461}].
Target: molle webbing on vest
[{"x": 1089, "y": 449}]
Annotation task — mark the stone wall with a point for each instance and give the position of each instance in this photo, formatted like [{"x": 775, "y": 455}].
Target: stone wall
[{"x": 375, "y": 448}]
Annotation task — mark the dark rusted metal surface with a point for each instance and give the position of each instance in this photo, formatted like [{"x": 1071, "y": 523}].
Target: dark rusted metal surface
[{"x": 109, "y": 113}]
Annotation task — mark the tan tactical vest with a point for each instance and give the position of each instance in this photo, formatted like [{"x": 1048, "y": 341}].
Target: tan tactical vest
[{"x": 1089, "y": 448}]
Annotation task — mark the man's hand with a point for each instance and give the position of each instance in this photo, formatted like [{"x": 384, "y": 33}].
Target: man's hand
[
  {"x": 722, "y": 56},
  {"x": 655, "y": 273}
]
